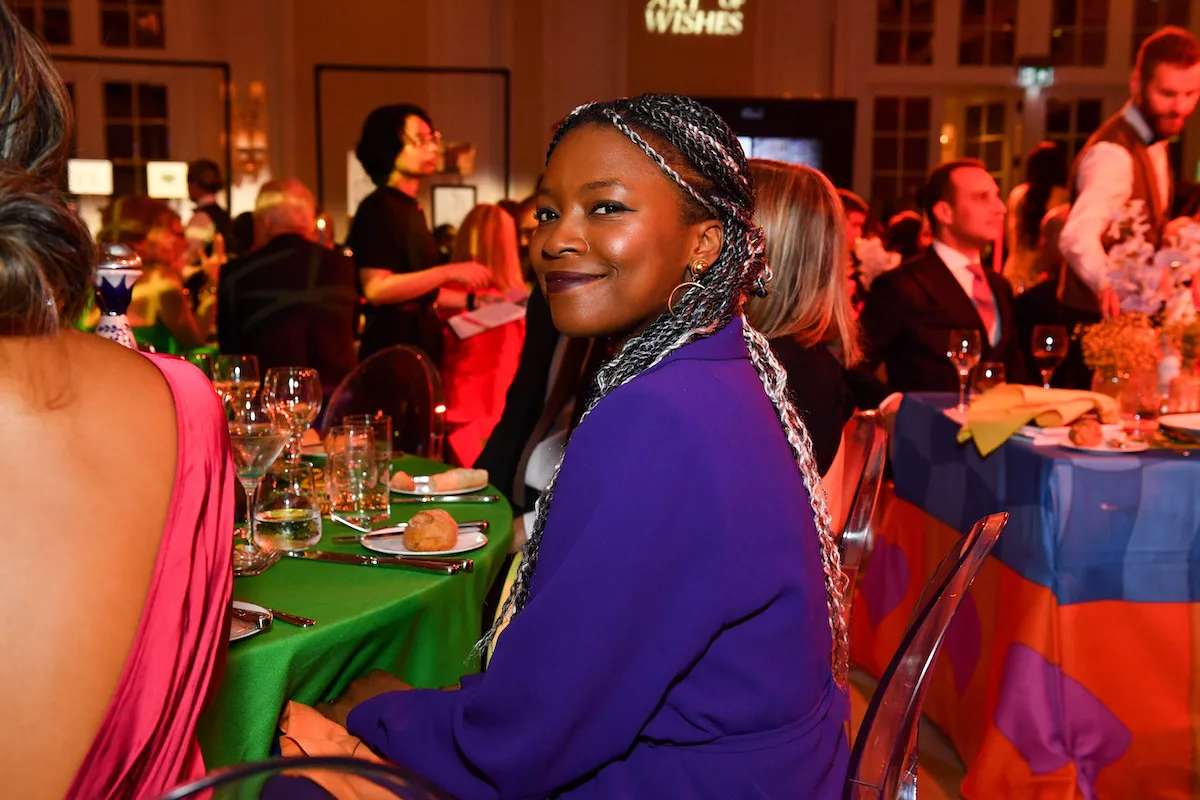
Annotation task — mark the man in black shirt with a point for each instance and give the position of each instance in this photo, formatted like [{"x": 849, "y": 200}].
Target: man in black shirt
[{"x": 292, "y": 302}]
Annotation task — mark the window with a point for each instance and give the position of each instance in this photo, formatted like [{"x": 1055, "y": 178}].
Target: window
[
  {"x": 904, "y": 32},
  {"x": 1150, "y": 15},
  {"x": 900, "y": 148},
  {"x": 1078, "y": 33},
  {"x": 985, "y": 135},
  {"x": 48, "y": 19},
  {"x": 988, "y": 32},
  {"x": 131, "y": 23},
  {"x": 135, "y": 120},
  {"x": 1069, "y": 123}
]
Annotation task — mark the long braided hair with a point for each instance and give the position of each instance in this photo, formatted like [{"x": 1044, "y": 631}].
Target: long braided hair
[{"x": 701, "y": 155}]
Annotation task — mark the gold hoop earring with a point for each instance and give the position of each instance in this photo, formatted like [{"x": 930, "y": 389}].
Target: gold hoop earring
[{"x": 694, "y": 270}]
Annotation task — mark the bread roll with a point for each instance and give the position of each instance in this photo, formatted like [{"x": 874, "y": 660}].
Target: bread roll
[
  {"x": 1086, "y": 432},
  {"x": 403, "y": 481},
  {"x": 457, "y": 479},
  {"x": 431, "y": 530}
]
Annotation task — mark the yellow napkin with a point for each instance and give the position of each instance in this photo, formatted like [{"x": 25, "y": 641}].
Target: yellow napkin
[{"x": 1003, "y": 410}]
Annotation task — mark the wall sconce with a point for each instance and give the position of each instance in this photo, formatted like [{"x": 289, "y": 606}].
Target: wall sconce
[{"x": 250, "y": 134}]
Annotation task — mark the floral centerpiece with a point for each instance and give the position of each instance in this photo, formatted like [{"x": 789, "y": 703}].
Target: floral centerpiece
[{"x": 1158, "y": 330}]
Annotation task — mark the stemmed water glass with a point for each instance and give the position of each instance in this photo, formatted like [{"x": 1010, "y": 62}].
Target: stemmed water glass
[
  {"x": 235, "y": 378},
  {"x": 256, "y": 436},
  {"x": 963, "y": 350},
  {"x": 295, "y": 392},
  {"x": 1049, "y": 347}
]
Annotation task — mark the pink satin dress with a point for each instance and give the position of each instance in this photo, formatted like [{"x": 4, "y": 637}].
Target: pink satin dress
[{"x": 147, "y": 741}]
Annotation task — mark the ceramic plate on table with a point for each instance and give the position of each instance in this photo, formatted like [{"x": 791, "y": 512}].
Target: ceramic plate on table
[
  {"x": 1104, "y": 448},
  {"x": 1188, "y": 423},
  {"x": 239, "y": 630},
  {"x": 424, "y": 489},
  {"x": 395, "y": 546},
  {"x": 1112, "y": 431},
  {"x": 315, "y": 450}
]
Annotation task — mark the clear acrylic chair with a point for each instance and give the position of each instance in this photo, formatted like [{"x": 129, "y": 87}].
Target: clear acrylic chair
[
  {"x": 403, "y": 383},
  {"x": 865, "y": 441},
  {"x": 883, "y": 763},
  {"x": 319, "y": 778}
]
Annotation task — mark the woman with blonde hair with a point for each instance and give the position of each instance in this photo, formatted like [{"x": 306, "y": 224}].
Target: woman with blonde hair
[
  {"x": 162, "y": 314},
  {"x": 807, "y": 315},
  {"x": 479, "y": 363}
]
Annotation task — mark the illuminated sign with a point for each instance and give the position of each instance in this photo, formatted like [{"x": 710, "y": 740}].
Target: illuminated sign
[
  {"x": 686, "y": 17},
  {"x": 1030, "y": 77}
]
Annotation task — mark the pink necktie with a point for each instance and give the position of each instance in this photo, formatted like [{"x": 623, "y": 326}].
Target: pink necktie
[{"x": 985, "y": 302}]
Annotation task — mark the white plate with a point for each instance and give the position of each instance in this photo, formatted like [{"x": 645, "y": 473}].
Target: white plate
[
  {"x": 316, "y": 450},
  {"x": 1105, "y": 449},
  {"x": 1189, "y": 423},
  {"x": 1111, "y": 430},
  {"x": 395, "y": 546},
  {"x": 240, "y": 630},
  {"x": 423, "y": 489}
]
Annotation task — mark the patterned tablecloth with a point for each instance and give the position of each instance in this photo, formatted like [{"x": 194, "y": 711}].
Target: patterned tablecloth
[{"x": 1070, "y": 671}]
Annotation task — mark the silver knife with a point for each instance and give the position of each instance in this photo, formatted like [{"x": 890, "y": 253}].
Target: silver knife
[
  {"x": 450, "y": 498},
  {"x": 434, "y": 565}
]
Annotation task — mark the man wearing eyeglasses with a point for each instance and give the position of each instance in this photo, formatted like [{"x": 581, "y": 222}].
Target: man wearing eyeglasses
[{"x": 393, "y": 248}]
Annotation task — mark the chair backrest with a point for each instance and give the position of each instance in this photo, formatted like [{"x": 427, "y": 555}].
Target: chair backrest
[
  {"x": 883, "y": 763},
  {"x": 864, "y": 441},
  {"x": 403, "y": 383},
  {"x": 319, "y": 777}
]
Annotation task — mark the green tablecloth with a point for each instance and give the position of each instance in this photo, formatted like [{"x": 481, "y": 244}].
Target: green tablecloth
[{"x": 418, "y": 626}]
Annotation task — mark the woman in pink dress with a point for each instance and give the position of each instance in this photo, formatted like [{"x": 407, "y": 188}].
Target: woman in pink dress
[
  {"x": 478, "y": 369},
  {"x": 118, "y": 495}
]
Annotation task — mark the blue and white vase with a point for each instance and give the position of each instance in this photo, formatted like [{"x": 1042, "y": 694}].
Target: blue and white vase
[{"x": 118, "y": 270}]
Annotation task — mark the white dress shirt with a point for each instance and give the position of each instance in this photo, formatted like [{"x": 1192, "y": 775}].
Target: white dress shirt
[
  {"x": 959, "y": 264},
  {"x": 1105, "y": 184}
]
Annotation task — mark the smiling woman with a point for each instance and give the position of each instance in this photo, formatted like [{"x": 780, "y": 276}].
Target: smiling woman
[{"x": 665, "y": 637}]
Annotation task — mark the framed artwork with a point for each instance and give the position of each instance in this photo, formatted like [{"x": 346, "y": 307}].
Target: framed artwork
[{"x": 451, "y": 204}]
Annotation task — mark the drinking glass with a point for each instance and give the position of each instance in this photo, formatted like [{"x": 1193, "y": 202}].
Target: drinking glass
[
  {"x": 963, "y": 350},
  {"x": 1049, "y": 347},
  {"x": 202, "y": 362},
  {"x": 377, "y": 501},
  {"x": 988, "y": 375},
  {"x": 295, "y": 392},
  {"x": 256, "y": 436},
  {"x": 288, "y": 513},
  {"x": 235, "y": 378},
  {"x": 350, "y": 474}
]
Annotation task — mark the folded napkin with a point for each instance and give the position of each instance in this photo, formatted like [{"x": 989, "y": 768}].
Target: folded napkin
[{"x": 1003, "y": 410}]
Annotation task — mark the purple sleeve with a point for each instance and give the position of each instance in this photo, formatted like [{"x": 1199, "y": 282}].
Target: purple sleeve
[{"x": 628, "y": 595}]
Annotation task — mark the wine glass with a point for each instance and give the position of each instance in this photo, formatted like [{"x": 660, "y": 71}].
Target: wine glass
[
  {"x": 295, "y": 392},
  {"x": 963, "y": 350},
  {"x": 1049, "y": 347},
  {"x": 235, "y": 378},
  {"x": 288, "y": 513},
  {"x": 350, "y": 469},
  {"x": 256, "y": 436},
  {"x": 988, "y": 375}
]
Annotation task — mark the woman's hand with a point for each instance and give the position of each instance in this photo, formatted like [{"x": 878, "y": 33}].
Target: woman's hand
[
  {"x": 374, "y": 684},
  {"x": 469, "y": 273}
]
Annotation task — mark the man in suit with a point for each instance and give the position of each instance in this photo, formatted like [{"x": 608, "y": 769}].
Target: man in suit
[
  {"x": 910, "y": 311},
  {"x": 291, "y": 302}
]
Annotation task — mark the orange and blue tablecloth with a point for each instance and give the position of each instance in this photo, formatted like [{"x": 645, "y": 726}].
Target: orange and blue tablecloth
[{"x": 1069, "y": 671}]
